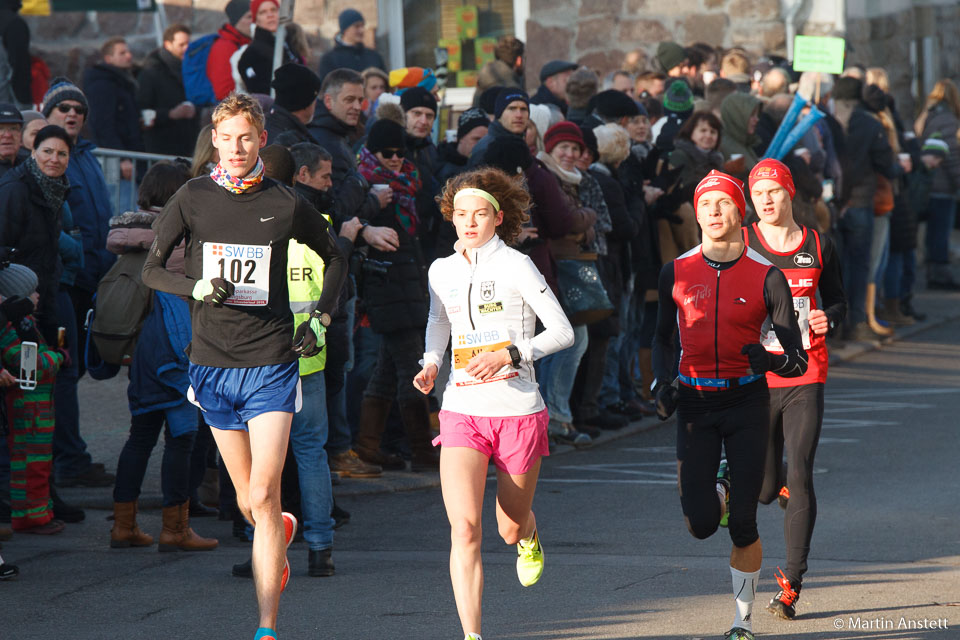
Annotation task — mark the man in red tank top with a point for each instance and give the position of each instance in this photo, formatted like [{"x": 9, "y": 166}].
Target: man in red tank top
[
  {"x": 722, "y": 295},
  {"x": 810, "y": 263}
]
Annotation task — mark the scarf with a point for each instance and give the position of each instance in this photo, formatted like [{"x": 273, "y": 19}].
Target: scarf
[
  {"x": 54, "y": 189},
  {"x": 238, "y": 185},
  {"x": 570, "y": 177},
  {"x": 405, "y": 186}
]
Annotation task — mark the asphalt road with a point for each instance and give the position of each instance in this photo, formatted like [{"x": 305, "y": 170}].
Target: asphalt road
[{"x": 885, "y": 563}]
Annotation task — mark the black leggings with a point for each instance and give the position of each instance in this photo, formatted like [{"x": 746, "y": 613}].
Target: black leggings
[
  {"x": 708, "y": 423},
  {"x": 796, "y": 417}
]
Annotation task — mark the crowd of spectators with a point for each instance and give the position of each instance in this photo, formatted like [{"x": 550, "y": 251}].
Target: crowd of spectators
[{"x": 610, "y": 158}]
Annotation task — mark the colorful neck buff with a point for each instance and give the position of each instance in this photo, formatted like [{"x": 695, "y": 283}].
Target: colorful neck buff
[{"x": 238, "y": 185}]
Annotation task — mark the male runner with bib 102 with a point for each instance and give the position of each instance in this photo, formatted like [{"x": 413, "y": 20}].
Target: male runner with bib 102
[
  {"x": 488, "y": 297},
  {"x": 722, "y": 294},
  {"x": 810, "y": 263},
  {"x": 237, "y": 224}
]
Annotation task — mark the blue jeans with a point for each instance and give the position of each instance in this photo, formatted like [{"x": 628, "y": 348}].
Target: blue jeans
[
  {"x": 617, "y": 349},
  {"x": 879, "y": 248},
  {"x": 70, "y": 457},
  {"x": 901, "y": 274},
  {"x": 856, "y": 230},
  {"x": 308, "y": 434},
  {"x": 558, "y": 372},
  {"x": 366, "y": 346},
  {"x": 339, "y": 439},
  {"x": 942, "y": 209}
]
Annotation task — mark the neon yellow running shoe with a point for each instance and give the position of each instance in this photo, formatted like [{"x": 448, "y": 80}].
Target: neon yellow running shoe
[{"x": 530, "y": 561}]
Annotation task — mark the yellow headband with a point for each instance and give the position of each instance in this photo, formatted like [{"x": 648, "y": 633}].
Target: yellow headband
[{"x": 480, "y": 193}]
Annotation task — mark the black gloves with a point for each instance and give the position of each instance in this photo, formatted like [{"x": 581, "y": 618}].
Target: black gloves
[
  {"x": 213, "y": 292},
  {"x": 310, "y": 337},
  {"x": 6, "y": 256},
  {"x": 759, "y": 358},
  {"x": 666, "y": 395},
  {"x": 16, "y": 308}
]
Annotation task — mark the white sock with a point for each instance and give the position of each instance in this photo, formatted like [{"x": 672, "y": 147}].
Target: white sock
[{"x": 744, "y": 591}]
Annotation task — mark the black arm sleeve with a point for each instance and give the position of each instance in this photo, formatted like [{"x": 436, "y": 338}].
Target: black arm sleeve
[
  {"x": 663, "y": 338},
  {"x": 832, "y": 296},
  {"x": 170, "y": 229},
  {"x": 792, "y": 363},
  {"x": 311, "y": 229}
]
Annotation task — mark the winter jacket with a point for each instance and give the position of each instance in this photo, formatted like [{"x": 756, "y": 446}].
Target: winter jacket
[
  {"x": 114, "y": 115},
  {"x": 29, "y": 225},
  {"x": 735, "y": 111},
  {"x": 544, "y": 96},
  {"x": 495, "y": 130},
  {"x": 70, "y": 246},
  {"x": 551, "y": 216},
  {"x": 219, "y": 69},
  {"x": 946, "y": 179},
  {"x": 695, "y": 161},
  {"x": 280, "y": 121},
  {"x": 645, "y": 247},
  {"x": 498, "y": 73},
  {"x": 256, "y": 62},
  {"x": 865, "y": 153},
  {"x": 351, "y": 192},
  {"x": 423, "y": 154},
  {"x": 15, "y": 36},
  {"x": 89, "y": 201},
  {"x": 161, "y": 89},
  {"x": 18, "y": 159},
  {"x": 356, "y": 57},
  {"x": 450, "y": 162}
]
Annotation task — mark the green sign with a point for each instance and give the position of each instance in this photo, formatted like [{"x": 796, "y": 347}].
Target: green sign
[{"x": 816, "y": 53}]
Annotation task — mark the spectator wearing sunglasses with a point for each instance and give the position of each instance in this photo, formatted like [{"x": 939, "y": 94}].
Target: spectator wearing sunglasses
[
  {"x": 65, "y": 105},
  {"x": 395, "y": 297}
]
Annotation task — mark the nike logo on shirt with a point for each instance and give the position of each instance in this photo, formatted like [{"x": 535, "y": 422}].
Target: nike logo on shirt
[
  {"x": 267, "y": 219},
  {"x": 542, "y": 290}
]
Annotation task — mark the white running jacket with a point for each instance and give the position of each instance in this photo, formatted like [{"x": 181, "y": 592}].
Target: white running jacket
[{"x": 486, "y": 304}]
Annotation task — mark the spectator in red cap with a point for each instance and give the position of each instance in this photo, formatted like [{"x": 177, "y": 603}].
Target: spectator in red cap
[
  {"x": 234, "y": 33},
  {"x": 256, "y": 62}
]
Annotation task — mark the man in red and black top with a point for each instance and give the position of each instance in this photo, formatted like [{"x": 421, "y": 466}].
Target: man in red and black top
[
  {"x": 810, "y": 263},
  {"x": 721, "y": 295}
]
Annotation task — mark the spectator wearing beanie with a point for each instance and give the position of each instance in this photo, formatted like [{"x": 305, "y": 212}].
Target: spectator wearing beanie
[
  {"x": 553, "y": 84},
  {"x": 670, "y": 59},
  {"x": 177, "y": 123},
  {"x": 66, "y": 106},
  {"x": 30, "y": 417},
  {"x": 256, "y": 62},
  {"x": 614, "y": 107},
  {"x": 396, "y": 303},
  {"x": 405, "y": 78},
  {"x": 582, "y": 85},
  {"x": 419, "y": 112},
  {"x": 471, "y": 128},
  {"x": 297, "y": 88},
  {"x": 487, "y": 99},
  {"x": 511, "y": 113},
  {"x": 234, "y": 33},
  {"x": 739, "y": 113},
  {"x": 348, "y": 50},
  {"x": 677, "y": 107}
]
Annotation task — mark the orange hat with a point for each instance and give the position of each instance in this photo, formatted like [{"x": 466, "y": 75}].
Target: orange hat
[
  {"x": 770, "y": 169},
  {"x": 718, "y": 181}
]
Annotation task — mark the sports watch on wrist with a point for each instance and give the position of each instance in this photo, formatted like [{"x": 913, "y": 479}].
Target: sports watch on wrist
[
  {"x": 324, "y": 318},
  {"x": 514, "y": 355}
]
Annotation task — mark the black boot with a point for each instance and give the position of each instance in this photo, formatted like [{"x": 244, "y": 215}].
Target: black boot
[
  {"x": 321, "y": 563},
  {"x": 340, "y": 516},
  {"x": 906, "y": 306},
  {"x": 243, "y": 570},
  {"x": 64, "y": 511}
]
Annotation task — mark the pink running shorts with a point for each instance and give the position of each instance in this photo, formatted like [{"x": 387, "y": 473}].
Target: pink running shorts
[{"x": 513, "y": 442}]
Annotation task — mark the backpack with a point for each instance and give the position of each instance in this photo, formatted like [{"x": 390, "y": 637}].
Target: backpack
[
  {"x": 122, "y": 303},
  {"x": 197, "y": 85}
]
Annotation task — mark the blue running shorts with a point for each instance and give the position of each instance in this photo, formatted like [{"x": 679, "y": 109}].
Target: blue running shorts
[{"x": 231, "y": 397}]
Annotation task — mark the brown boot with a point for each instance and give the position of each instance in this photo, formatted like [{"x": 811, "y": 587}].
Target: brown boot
[
  {"x": 416, "y": 423},
  {"x": 177, "y": 534},
  {"x": 645, "y": 364},
  {"x": 373, "y": 422},
  {"x": 125, "y": 532}
]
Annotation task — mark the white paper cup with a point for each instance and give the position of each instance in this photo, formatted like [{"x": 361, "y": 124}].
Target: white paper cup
[
  {"x": 149, "y": 116},
  {"x": 377, "y": 188}
]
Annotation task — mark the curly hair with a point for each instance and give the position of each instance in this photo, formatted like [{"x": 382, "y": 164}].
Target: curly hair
[{"x": 510, "y": 192}]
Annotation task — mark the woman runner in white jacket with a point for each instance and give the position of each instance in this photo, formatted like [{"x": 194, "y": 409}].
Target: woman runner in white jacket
[{"x": 487, "y": 298}]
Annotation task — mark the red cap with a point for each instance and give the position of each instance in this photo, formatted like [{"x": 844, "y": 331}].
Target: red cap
[
  {"x": 564, "y": 131},
  {"x": 255, "y": 6},
  {"x": 718, "y": 181},
  {"x": 775, "y": 170}
]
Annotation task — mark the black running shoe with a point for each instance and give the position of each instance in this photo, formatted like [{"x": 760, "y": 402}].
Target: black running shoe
[{"x": 784, "y": 603}]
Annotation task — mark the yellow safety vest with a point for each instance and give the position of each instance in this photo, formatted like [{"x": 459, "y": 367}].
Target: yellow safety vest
[{"x": 305, "y": 284}]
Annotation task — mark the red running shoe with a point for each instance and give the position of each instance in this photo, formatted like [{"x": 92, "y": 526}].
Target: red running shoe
[{"x": 289, "y": 531}]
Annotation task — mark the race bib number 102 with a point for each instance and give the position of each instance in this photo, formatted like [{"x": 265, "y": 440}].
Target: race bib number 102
[{"x": 247, "y": 266}]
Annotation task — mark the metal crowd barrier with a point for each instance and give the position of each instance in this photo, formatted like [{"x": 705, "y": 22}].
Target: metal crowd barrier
[{"x": 123, "y": 192}]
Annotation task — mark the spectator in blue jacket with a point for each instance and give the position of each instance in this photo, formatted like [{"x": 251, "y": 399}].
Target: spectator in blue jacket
[
  {"x": 65, "y": 105},
  {"x": 348, "y": 50}
]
